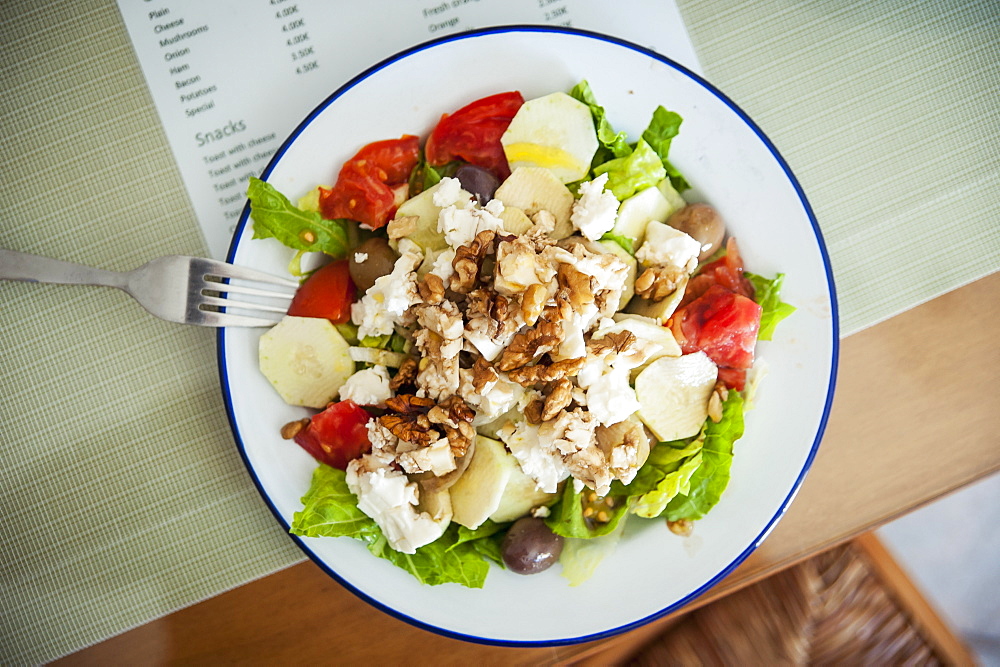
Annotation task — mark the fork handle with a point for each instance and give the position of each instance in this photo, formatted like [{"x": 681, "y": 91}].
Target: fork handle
[{"x": 35, "y": 268}]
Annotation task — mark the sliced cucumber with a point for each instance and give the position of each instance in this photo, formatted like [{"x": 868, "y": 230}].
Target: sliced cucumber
[
  {"x": 515, "y": 221},
  {"x": 673, "y": 197},
  {"x": 306, "y": 360},
  {"x": 673, "y": 395},
  {"x": 534, "y": 189},
  {"x": 436, "y": 502},
  {"x": 622, "y": 254},
  {"x": 555, "y": 132},
  {"x": 520, "y": 496},
  {"x": 477, "y": 493},
  {"x": 426, "y": 211},
  {"x": 638, "y": 211}
]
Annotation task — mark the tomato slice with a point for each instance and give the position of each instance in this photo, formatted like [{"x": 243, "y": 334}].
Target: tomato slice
[
  {"x": 366, "y": 188},
  {"x": 726, "y": 271},
  {"x": 328, "y": 293},
  {"x": 723, "y": 325},
  {"x": 719, "y": 317},
  {"x": 337, "y": 435},
  {"x": 472, "y": 134}
]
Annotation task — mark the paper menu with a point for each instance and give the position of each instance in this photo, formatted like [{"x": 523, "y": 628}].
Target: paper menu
[{"x": 231, "y": 79}]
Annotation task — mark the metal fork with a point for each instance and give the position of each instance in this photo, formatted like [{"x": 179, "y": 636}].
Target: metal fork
[{"x": 188, "y": 290}]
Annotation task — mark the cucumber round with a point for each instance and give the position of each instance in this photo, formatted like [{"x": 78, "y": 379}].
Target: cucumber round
[{"x": 306, "y": 360}]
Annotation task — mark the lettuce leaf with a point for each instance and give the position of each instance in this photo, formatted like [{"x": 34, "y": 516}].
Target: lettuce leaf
[
  {"x": 422, "y": 176},
  {"x": 567, "y": 517},
  {"x": 329, "y": 509},
  {"x": 676, "y": 466},
  {"x": 641, "y": 169},
  {"x": 613, "y": 144},
  {"x": 767, "y": 294},
  {"x": 580, "y": 557},
  {"x": 664, "y": 126},
  {"x": 486, "y": 540},
  {"x": 443, "y": 561},
  {"x": 276, "y": 217},
  {"x": 711, "y": 478}
]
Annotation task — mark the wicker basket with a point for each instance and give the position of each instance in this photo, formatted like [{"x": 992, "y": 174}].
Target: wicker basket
[{"x": 848, "y": 606}]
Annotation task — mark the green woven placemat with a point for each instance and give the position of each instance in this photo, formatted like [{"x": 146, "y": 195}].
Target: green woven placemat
[
  {"x": 122, "y": 492},
  {"x": 888, "y": 113}
]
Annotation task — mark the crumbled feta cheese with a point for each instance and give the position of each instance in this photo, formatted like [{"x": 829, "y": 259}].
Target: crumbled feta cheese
[
  {"x": 610, "y": 398},
  {"x": 360, "y": 257},
  {"x": 384, "y": 303},
  {"x": 496, "y": 398},
  {"x": 518, "y": 266},
  {"x": 460, "y": 225},
  {"x": 443, "y": 265},
  {"x": 484, "y": 344},
  {"x": 541, "y": 462},
  {"x": 436, "y": 458},
  {"x": 439, "y": 337},
  {"x": 384, "y": 444},
  {"x": 573, "y": 345},
  {"x": 367, "y": 387},
  {"x": 625, "y": 462},
  {"x": 448, "y": 193},
  {"x": 573, "y": 434},
  {"x": 594, "y": 213},
  {"x": 666, "y": 246},
  {"x": 541, "y": 512},
  {"x": 390, "y": 499}
]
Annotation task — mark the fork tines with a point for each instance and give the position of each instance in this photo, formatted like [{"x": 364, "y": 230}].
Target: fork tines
[{"x": 263, "y": 298}]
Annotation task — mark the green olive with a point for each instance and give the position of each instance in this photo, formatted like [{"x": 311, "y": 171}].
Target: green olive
[
  {"x": 376, "y": 260},
  {"x": 702, "y": 223}
]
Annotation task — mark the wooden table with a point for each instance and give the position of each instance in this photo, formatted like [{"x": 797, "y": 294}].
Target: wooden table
[{"x": 915, "y": 417}]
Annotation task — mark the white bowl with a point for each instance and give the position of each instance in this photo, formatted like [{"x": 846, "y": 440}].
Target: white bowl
[{"x": 731, "y": 164}]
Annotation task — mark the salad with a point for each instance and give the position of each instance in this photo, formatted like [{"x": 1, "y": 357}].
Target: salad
[{"x": 521, "y": 337}]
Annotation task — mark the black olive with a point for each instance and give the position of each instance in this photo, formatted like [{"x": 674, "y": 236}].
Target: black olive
[
  {"x": 378, "y": 260},
  {"x": 480, "y": 182},
  {"x": 530, "y": 547}
]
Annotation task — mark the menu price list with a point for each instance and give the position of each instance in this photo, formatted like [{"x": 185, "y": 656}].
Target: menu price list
[
  {"x": 296, "y": 36},
  {"x": 231, "y": 79}
]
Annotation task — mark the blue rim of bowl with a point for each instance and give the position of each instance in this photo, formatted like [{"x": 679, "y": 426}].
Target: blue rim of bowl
[{"x": 835, "y": 332}]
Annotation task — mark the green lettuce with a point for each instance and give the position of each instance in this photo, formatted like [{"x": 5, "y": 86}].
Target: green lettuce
[
  {"x": 675, "y": 465},
  {"x": 329, "y": 509},
  {"x": 422, "y": 177},
  {"x": 773, "y": 309},
  {"x": 580, "y": 557},
  {"x": 641, "y": 169},
  {"x": 276, "y": 217},
  {"x": 711, "y": 478},
  {"x": 664, "y": 126},
  {"x": 567, "y": 517},
  {"x": 486, "y": 540},
  {"x": 612, "y": 144}
]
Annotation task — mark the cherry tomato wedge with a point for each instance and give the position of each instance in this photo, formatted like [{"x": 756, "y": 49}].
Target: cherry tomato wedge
[
  {"x": 370, "y": 185},
  {"x": 719, "y": 317},
  {"x": 327, "y": 293},
  {"x": 723, "y": 325},
  {"x": 726, "y": 271},
  {"x": 472, "y": 134},
  {"x": 337, "y": 435}
]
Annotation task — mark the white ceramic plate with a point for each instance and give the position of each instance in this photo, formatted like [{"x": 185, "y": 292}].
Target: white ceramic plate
[{"x": 731, "y": 164}]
